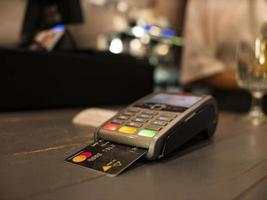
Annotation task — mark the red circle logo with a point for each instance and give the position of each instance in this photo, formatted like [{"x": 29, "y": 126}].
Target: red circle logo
[{"x": 82, "y": 157}]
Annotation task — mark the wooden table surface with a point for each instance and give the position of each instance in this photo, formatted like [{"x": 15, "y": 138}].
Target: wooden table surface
[{"x": 34, "y": 145}]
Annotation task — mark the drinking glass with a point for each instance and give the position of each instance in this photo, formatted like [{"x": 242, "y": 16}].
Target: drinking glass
[{"x": 252, "y": 75}]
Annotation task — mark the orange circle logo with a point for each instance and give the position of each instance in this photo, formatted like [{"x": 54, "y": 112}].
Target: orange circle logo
[
  {"x": 82, "y": 157},
  {"x": 79, "y": 158}
]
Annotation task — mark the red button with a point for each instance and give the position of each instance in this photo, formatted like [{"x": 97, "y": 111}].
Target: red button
[{"x": 111, "y": 127}]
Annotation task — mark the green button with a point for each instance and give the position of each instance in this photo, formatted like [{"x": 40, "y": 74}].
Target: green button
[{"x": 147, "y": 133}]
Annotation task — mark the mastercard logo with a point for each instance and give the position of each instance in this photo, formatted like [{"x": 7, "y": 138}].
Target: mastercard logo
[{"x": 82, "y": 157}]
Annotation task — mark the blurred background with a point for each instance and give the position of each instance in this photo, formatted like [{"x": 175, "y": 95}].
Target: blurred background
[
  {"x": 99, "y": 17},
  {"x": 44, "y": 43}
]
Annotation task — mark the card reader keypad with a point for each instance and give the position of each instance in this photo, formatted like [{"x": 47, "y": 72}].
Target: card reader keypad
[{"x": 145, "y": 123}]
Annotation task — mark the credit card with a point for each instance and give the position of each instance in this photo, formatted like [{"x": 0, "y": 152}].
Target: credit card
[{"x": 107, "y": 157}]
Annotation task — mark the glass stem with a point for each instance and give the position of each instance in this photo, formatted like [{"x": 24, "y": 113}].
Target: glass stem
[{"x": 256, "y": 105}]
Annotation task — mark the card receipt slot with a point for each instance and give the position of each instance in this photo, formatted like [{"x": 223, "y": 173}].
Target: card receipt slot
[
  {"x": 189, "y": 117},
  {"x": 162, "y": 129}
]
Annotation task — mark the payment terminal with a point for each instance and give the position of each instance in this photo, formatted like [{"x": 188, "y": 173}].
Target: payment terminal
[{"x": 162, "y": 122}]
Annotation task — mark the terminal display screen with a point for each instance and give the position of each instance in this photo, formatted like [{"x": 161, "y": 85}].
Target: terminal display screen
[{"x": 174, "y": 100}]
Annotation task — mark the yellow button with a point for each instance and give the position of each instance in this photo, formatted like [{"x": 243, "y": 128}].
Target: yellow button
[{"x": 127, "y": 129}]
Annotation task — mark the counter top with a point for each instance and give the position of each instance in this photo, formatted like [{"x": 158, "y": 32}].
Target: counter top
[{"x": 35, "y": 144}]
